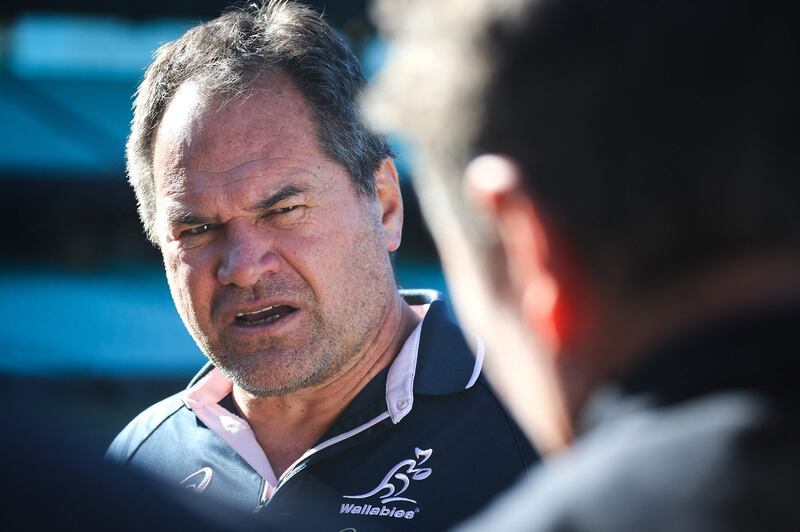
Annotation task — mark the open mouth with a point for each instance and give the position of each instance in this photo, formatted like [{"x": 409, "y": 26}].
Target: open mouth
[{"x": 264, "y": 315}]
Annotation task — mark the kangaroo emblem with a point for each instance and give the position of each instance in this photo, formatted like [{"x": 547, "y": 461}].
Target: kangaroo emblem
[{"x": 397, "y": 480}]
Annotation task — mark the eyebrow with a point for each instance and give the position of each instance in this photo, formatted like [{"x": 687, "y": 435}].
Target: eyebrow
[
  {"x": 181, "y": 217},
  {"x": 286, "y": 191}
]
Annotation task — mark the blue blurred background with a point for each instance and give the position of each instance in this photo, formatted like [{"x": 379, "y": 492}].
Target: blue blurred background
[{"x": 86, "y": 321}]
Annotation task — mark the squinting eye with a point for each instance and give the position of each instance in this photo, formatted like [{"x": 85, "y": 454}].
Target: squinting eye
[
  {"x": 290, "y": 212},
  {"x": 283, "y": 210},
  {"x": 199, "y": 230}
]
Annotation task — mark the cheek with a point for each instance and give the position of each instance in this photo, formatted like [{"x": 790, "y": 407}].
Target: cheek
[
  {"x": 320, "y": 245},
  {"x": 317, "y": 259},
  {"x": 340, "y": 260},
  {"x": 188, "y": 284}
]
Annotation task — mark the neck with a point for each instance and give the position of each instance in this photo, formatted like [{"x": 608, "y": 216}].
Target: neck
[
  {"x": 629, "y": 328},
  {"x": 288, "y": 425}
]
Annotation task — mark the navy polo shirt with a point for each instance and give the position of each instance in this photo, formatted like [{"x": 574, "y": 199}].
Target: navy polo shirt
[{"x": 424, "y": 445}]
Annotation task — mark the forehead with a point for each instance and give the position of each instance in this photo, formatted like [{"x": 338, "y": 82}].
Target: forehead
[{"x": 203, "y": 141}]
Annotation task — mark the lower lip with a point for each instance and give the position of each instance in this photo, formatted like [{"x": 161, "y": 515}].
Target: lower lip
[{"x": 269, "y": 327}]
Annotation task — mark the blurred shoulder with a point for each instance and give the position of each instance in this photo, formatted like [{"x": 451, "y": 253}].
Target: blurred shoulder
[{"x": 720, "y": 463}]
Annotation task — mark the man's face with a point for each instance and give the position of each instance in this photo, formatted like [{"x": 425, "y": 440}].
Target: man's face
[{"x": 278, "y": 267}]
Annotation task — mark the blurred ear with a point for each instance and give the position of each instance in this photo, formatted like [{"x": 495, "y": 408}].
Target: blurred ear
[
  {"x": 390, "y": 203},
  {"x": 495, "y": 185}
]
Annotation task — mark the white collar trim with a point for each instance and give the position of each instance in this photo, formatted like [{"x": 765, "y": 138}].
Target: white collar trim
[
  {"x": 400, "y": 378},
  {"x": 203, "y": 399}
]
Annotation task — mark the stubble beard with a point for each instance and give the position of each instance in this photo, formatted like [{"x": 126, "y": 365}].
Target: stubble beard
[
  {"x": 271, "y": 369},
  {"x": 308, "y": 356}
]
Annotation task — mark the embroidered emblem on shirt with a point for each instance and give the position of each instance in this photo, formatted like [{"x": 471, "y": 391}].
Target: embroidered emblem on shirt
[
  {"x": 198, "y": 481},
  {"x": 398, "y": 479}
]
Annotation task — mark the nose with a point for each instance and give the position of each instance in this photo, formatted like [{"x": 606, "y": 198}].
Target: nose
[{"x": 247, "y": 256}]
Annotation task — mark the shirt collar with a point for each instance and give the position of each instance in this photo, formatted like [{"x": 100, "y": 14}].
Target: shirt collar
[
  {"x": 445, "y": 362},
  {"x": 435, "y": 360}
]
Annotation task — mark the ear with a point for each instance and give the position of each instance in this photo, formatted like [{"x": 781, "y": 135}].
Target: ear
[
  {"x": 494, "y": 184},
  {"x": 390, "y": 203}
]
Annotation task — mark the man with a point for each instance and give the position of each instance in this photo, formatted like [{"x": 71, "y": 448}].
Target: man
[
  {"x": 329, "y": 402},
  {"x": 628, "y": 243}
]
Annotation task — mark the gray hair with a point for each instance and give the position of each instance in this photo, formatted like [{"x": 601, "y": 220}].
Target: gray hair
[{"x": 227, "y": 55}]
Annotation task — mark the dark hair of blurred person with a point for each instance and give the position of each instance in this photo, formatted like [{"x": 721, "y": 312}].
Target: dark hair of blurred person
[
  {"x": 613, "y": 187},
  {"x": 54, "y": 478}
]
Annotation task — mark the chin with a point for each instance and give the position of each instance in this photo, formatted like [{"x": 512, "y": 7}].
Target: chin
[{"x": 271, "y": 381}]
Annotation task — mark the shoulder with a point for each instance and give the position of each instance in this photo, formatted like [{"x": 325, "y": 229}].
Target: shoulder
[
  {"x": 696, "y": 467},
  {"x": 451, "y": 390},
  {"x": 142, "y": 427},
  {"x": 499, "y": 434}
]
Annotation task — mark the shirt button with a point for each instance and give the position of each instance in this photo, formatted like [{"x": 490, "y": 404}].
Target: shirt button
[{"x": 402, "y": 403}]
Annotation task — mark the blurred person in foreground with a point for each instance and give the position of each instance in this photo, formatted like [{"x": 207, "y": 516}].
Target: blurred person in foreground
[
  {"x": 332, "y": 400},
  {"x": 55, "y": 479},
  {"x": 614, "y": 188}
]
